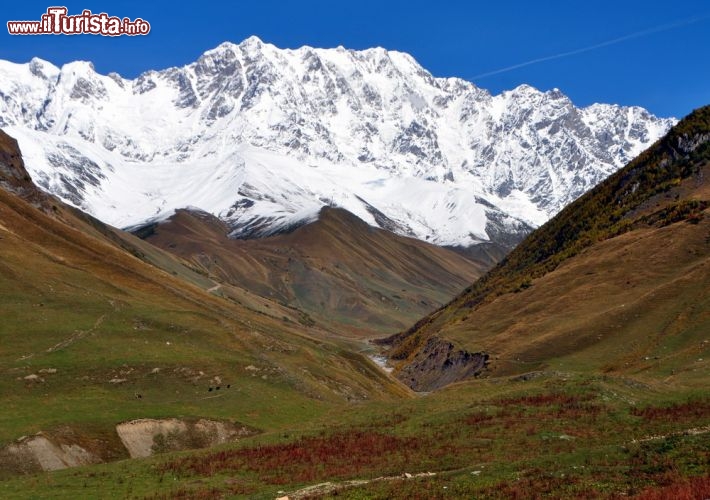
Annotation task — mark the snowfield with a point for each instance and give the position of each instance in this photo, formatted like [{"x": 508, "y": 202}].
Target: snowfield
[{"x": 263, "y": 138}]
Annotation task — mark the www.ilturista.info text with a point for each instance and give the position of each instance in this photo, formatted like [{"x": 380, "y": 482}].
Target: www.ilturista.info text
[{"x": 56, "y": 22}]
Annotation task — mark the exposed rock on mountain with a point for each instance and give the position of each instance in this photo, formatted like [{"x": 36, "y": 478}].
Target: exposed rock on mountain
[{"x": 264, "y": 137}]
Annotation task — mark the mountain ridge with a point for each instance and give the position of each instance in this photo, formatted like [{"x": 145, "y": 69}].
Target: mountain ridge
[{"x": 264, "y": 137}]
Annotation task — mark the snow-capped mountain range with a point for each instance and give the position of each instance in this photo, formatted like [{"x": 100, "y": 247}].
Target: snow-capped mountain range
[{"x": 263, "y": 138}]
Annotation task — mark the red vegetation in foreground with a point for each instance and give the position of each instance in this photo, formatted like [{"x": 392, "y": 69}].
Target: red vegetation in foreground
[
  {"x": 335, "y": 456},
  {"x": 192, "y": 494},
  {"x": 557, "y": 405},
  {"x": 546, "y": 400},
  {"x": 691, "y": 409},
  {"x": 476, "y": 419},
  {"x": 536, "y": 483},
  {"x": 695, "y": 488}
]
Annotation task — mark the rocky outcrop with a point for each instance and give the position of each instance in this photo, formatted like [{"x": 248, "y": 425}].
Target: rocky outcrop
[
  {"x": 67, "y": 447},
  {"x": 440, "y": 363},
  {"x": 14, "y": 176},
  {"x": 39, "y": 452},
  {"x": 144, "y": 437}
]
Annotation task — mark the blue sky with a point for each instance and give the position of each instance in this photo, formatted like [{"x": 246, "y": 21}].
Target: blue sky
[{"x": 649, "y": 53}]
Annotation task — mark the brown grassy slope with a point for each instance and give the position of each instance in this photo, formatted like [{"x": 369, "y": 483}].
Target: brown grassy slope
[
  {"x": 74, "y": 302},
  {"x": 15, "y": 179},
  {"x": 345, "y": 274},
  {"x": 616, "y": 276}
]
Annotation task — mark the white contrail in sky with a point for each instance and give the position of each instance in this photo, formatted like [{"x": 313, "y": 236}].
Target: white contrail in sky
[{"x": 613, "y": 41}]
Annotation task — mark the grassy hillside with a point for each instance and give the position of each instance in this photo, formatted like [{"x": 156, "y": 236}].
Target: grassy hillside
[
  {"x": 92, "y": 335},
  {"x": 617, "y": 276},
  {"x": 596, "y": 386},
  {"x": 352, "y": 278},
  {"x": 555, "y": 435}
]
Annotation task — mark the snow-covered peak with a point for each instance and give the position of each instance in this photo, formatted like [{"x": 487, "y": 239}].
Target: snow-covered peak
[
  {"x": 263, "y": 137},
  {"x": 524, "y": 89},
  {"x": 78, "y": 68},
  {"x": 228, "y": 46},
  {"x": 251, "y": 43},
  {"x": 43, "y": 69}
]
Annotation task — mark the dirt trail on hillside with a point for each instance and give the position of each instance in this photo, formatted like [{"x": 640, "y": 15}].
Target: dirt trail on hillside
[
  {"x": 79, "y": 334},
  {"x": 330, "y": 487},
  {"x": 695, "y": 431}
]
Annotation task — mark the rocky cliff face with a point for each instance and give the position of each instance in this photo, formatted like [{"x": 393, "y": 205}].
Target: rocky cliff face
[
  {"x": 264, "y": 137},
  {"x": 13, "y": 175},
  {"x": 440, "y": 363}
]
